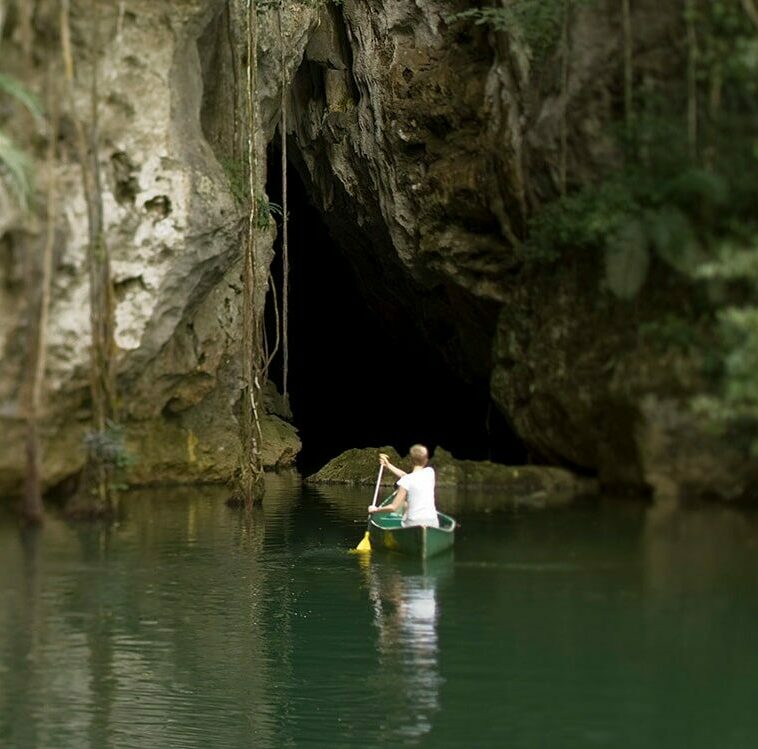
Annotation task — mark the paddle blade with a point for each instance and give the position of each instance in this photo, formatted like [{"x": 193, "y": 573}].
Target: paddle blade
[{"x": 365, "y": 544}]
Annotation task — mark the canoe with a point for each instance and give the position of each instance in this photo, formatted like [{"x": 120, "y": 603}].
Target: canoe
[{"x": 386, "y": 532}]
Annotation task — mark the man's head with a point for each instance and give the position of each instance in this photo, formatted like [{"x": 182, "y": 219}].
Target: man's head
[{"x": 419, "y": 455}]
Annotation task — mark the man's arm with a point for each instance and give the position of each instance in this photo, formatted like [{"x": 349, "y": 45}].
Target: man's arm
[
  {"x": 385, "y": 461},
  {"x": 393, "y": 506}
]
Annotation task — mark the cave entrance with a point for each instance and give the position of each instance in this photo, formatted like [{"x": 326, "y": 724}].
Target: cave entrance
[{"x": 354, "y": 381}]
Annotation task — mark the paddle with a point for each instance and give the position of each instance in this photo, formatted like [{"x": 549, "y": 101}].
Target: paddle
[{"x": 365, "y": 543}]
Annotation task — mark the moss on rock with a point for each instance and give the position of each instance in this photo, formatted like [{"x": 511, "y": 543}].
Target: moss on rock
[{"x": 514, "y": 483}]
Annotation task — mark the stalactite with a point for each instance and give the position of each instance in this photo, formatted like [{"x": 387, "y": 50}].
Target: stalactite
[{"x": 33, "y": 509}]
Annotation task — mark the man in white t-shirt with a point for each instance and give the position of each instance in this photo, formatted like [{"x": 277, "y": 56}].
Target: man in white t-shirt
[{"x": 416, "y": 489}]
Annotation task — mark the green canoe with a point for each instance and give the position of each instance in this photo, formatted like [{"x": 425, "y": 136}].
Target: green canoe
[{"x": 386, "y": 532}]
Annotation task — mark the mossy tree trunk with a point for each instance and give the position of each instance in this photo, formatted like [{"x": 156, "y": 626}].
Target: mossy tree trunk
[{"x": 250, "y": 488}]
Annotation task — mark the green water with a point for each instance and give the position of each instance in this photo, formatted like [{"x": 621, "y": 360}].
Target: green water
[{"x": 191, "y": 625}]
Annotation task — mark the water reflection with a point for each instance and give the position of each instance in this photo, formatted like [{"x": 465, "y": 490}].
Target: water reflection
[
  {"x": 403, "y": 597},
  {"x": 190, "y": 625}
]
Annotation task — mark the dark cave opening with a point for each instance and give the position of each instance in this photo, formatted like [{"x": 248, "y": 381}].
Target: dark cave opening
[{"x": 348, "y": 379}]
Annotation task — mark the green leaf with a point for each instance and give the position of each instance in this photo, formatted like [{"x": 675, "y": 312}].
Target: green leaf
[
  {"x": 16, "y": 168},
  {"x": 697, "y": 187},
  {"x": 674, "y": 240},
  {"x": 12, "y": 87},
  {"x": 627, "y": 259}
]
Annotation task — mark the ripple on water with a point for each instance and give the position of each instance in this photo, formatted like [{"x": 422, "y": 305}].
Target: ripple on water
[{"x": 190, "y": 625}]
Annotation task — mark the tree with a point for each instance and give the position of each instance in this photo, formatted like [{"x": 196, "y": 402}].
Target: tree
[
  {"x": 250, "y": 489},
  {"x": 97, "y": 494},
  {"x": 39, "y": 301}
]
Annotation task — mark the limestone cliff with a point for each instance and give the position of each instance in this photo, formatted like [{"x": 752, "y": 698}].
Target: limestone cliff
[
  {"x": 174, "y": 230},
  {"x": 427, "y": 143}
]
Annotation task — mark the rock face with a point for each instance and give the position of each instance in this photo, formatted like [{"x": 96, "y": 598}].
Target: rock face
[
  {"x": 431, "y": 142},
  {"x": 502, "y": 485},
  {"x": 427, "y": 144},
  {"x": 175, "y": 233}
]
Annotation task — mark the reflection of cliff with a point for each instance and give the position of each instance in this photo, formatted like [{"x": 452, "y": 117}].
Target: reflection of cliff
[
  {"x": 406, "y": 615},
  {"x": 693, "y": 550},
  {"x": 145, "y": 633}
]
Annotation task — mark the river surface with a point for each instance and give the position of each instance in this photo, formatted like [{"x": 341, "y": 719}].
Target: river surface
[{"x": 188, "y": 624}]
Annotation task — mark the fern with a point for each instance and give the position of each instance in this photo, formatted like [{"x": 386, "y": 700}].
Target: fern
[
  {"x": 16, "y": 169},
  {"x": 626, "y": 260},
  {"x": 12, "y": 87},
  {"x": 15, "y": 165}
]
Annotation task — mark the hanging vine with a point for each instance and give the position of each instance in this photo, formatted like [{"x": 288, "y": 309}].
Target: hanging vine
[
  {"x": 231, "y": 39},
  {"x": 251, "y": 464},
  {"x": 97, "y": 494},
  {"x": 285, "y": 215},
  {"x": 268, "y": 357}
]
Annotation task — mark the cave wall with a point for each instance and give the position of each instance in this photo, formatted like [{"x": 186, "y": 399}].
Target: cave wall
[{"x": 428, "y": 144}]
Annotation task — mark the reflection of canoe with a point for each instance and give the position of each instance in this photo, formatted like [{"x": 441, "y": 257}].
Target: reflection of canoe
[{"x": 386, "y": 532}]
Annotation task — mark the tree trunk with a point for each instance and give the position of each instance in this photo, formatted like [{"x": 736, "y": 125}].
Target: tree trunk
[
  {"x": 285, "y": 222},
  {"x": 25, "y": 11},
  {"x": 251, "y": 468},
  {"x": 692, "y": 61},
  {"x": 97, "y": 496},
  {"x": 33, "y": 509},
  {"x": 626, "y": 13},
  {"x": 565, "y": 41},
  {"x": 751, "y": 10}
]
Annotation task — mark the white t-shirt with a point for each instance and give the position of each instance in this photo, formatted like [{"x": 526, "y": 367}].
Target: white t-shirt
[{"x": 420, "y": 488}]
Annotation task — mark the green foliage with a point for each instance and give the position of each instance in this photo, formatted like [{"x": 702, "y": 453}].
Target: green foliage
[
  {"x": 235, "y": 173},
  {"x": 11, "y": 87},
  {"x": 16, "y": 170},
  {"x": 629, "y": 216},
  {"x": 681, "y": 193},
  {"x": 264, "y": 5},
  {"x": 672, "y": 331},
  {"x": 537, "y": 22},
  {"x": 108, "y": 446},
  {"x": 15, "y": 165},
  {"x": 627, "y": 259},
  {"x": 581, "y": 220},
  {"x": 266, "y": 209},
  {"x": 735, "y": 267}
]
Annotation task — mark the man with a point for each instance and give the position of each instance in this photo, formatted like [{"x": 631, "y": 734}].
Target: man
[{"x": 416, "y": 489}]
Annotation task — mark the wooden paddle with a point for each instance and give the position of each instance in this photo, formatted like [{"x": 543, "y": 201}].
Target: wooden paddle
[{"x": 365, "y": 543}]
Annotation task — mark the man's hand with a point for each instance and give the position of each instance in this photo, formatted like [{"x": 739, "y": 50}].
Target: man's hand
[
  {"x": 372, "y": 509},
  {"x": 384, "y": 459}
]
